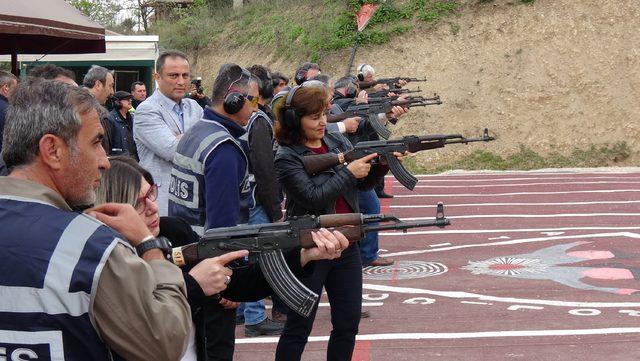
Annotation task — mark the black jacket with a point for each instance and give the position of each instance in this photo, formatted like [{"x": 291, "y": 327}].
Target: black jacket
[
  {"x": 317, "y": 193},
  {"x": 261, "y": 144},
  {"x": 248, "y": 284}
]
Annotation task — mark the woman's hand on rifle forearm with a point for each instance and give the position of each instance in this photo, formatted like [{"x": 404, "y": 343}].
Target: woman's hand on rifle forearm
[
  {"x": 398, "y": 155},
  {"x": 329, "y": 245}
]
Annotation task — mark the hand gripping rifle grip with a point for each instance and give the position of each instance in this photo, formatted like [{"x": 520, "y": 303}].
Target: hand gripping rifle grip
[
  {"x": 401, "y": 173},
  {"x": 382, "y": 131},
  {"x": 292, "y": 292}
]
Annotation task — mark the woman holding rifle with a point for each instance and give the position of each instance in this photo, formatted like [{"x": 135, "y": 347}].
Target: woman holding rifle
[
  {"x": 301, "y": 130},
  {"x": 127, "y": 182}
]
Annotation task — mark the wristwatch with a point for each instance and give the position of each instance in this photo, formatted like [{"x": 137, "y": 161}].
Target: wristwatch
[{"x": 161, "y": 243}]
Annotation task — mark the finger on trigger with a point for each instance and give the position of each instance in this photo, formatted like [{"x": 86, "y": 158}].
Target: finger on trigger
[{"x": 228, "y": 257}]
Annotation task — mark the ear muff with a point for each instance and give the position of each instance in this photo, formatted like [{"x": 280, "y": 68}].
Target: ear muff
[
  {"x": 290, "y": 116},
  {"x": 360, "y": 73},
  {"x": 233, "y": 102},
  {"x": 301, "y": 76}
]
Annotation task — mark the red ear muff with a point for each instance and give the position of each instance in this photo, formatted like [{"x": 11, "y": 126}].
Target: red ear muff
[
  {"x": 291, "y": 118},
  {"x": 233, "y": 102}
]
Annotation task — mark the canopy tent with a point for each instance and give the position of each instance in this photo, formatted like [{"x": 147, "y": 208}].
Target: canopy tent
[{"x": 46, "y": 27}]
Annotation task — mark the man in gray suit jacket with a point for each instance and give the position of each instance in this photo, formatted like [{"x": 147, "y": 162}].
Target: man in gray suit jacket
[{"x": 163, "y": 118}]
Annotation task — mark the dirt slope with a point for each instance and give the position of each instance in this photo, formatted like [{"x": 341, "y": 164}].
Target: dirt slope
[{"x": 554, "y": 74}]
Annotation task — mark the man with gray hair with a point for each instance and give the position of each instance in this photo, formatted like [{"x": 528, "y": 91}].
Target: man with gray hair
[
  {"x": 8, "y": 83},
  {"x": 163, "y": 118},
  {"x": 99, "y": 81},
  {"x": 77, "y": 289}
]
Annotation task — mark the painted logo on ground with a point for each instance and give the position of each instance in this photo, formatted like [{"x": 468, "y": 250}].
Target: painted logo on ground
[{"x": 403, "y": 270}]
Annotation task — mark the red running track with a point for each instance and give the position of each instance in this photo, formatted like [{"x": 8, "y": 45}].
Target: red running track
[{"x": 535, "y": 266}]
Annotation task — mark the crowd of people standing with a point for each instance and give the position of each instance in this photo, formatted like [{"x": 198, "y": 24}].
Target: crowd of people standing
[{"x": 113, "y": 191}]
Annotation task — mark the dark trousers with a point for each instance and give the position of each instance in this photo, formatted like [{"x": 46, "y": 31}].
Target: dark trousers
[
  {"x": 342, "y": 278},
  {"x": 220, "y": 327},
  {"x": 379, "y": 187},
  {"x": 278, "y": 304}
]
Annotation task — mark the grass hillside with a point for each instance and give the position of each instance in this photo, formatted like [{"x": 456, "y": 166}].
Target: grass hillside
[{"x": 558, "y": 81}]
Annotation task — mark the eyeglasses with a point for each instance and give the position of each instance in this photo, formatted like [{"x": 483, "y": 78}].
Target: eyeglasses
[
  {"x": 151, "y": 195},
  {"x": 252, "y": 99}
]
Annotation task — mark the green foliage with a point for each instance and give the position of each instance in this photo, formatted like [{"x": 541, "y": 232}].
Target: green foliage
[
  {"x": 296, "y": 29},
  {"x": 103, "y": 12},
  {"x": 433, "y": 11},
  {"x": 526, "y": 159},
  {"x": 190, "y": 29}
]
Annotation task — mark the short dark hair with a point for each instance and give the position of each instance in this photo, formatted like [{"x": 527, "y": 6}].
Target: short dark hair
[
  {"x": 51, "y": 71},
  {"x": 345, "y": 82},
  {"x": 324, "y": 78},
  {"x": 231, "y": 74},
  {"x": 136, "y": 83},
  {"x": 169, "y": 54},
  {"x": 301, "y": 73},
  {"x": 306, "y": 101},
  {"x": 264, "y": 76},
  {"x": 279, "y": 76}
]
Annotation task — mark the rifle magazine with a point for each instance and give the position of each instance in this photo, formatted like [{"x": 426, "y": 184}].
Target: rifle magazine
[
  {"x": 295, "y": 294},
  {"x": 401, "y": 173},
  {"x": 382, "y": 131}
]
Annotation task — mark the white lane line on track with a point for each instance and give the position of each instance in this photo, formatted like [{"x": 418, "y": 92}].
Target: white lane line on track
[
  {"x": 488, "y": 298},
  {"x": 488, "y": 195},
  {"x": 516, "y": 241},
  {"x": 516, "y": 204},
  {"x": 513, "y": 184},
  {"x": 551, "y": 215},
  {"x": 516, "y": 230},
  {"x": 461, "y": 335},
  {"x": 439, "y": 245}
]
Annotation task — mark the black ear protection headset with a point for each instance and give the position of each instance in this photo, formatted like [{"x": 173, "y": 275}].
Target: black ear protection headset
[
  {"x": 360, "y": 73},
  {"x": 301, "y": 76},
  {"x": 291, "y": 118},
  {"x": 234, "y": 101}
]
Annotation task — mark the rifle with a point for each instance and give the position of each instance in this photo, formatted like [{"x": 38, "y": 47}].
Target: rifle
[
  {"x": 390, "y": 82},
  {"x": 265, "y": 243},
  {"x": 395, "y": 97},
  {"x": 385, "y": 92},
  {"x": 385, "y": 148},
  {"x": 371, "y": 111}
]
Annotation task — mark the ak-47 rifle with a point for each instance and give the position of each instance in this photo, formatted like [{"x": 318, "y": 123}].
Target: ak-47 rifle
[
  {"x": 390, "y": 82},
  {"x": 265, "y": 243},
  {"x": 385, "y": 92},
  {"x": 385, "y": 148},
  {"x": 371, "y": 111},
  {"x": 414, "y": 98}
]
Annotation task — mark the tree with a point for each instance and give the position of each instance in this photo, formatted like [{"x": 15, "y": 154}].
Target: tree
[{"x": 104, "y": 12}]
